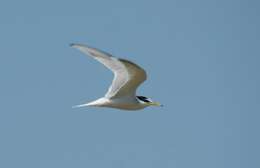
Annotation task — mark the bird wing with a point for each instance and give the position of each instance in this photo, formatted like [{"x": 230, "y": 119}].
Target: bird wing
[{"x": 127, "y": 75}]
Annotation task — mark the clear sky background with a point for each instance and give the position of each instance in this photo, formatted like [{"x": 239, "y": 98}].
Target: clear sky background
[{"x": 202, "y": 58}]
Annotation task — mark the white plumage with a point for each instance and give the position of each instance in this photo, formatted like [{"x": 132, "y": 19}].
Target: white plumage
[{"x": 127, "y": 77}]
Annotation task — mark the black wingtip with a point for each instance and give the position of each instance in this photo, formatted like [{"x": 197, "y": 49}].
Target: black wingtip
[{"x": 72, "y": 44}]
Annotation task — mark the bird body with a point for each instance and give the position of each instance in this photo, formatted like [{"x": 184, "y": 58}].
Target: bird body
[
  {"x": 127, "y": 77},
  {"x": 120, "y": 103}
]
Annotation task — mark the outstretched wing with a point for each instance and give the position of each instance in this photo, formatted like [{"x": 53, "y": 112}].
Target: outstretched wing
[{"x": 127, "y": 75}]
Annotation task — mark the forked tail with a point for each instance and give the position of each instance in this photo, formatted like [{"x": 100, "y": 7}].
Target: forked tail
[
  {"x": 93, "y": 103},
  {"x": 81, "y": 105}
]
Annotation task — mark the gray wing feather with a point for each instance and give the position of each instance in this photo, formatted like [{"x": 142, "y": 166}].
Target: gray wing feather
[
  {"x": 127, "y": 75},
  {"x": 135, "y": 76}
]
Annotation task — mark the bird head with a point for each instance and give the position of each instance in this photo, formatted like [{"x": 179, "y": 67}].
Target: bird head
[{"x": 147, "y": 101}]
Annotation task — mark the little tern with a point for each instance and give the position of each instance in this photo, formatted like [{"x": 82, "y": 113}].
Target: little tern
[{"x": 127, "y": 77}]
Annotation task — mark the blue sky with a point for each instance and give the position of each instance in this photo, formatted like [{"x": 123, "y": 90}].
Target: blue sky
[{"x": 202, "y": 58}]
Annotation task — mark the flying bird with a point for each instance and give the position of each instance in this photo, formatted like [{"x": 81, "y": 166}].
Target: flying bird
[{"x": 127, "y": 77}]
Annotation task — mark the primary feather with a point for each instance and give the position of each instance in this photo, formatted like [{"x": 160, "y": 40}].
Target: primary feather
[{"x": 127, "y": 75}]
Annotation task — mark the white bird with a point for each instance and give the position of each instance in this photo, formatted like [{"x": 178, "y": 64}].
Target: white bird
[{"x": 127, "y": 77}]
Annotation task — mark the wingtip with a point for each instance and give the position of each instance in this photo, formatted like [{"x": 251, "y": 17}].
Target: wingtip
[
  {"x": 77, "y": 45},
  {"x": 72, "y": 44}
]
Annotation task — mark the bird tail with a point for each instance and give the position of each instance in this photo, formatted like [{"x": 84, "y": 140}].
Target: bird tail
[
  {"x": 97, "y": 103},
  {"x": 80, "y": 105},
  {"x": 86, "y": 104}
]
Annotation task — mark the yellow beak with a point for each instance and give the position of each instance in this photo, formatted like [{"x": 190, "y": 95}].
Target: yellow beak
[{"x": 154, "y": 104}]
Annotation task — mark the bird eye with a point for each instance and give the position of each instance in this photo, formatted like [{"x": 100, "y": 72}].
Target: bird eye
[{"x": 144, "y": 99}]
